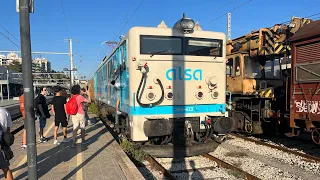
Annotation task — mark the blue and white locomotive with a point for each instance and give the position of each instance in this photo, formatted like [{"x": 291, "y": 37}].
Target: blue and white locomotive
[{"x": 167, "y": 88}]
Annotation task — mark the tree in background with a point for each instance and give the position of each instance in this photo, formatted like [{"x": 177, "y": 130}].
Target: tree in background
[{"x": 15, "y": 66}]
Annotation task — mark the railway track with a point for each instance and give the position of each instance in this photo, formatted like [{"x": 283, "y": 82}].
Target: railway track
[
  {"x": 171, "y": 168},
  {"x": 180, "y": 168},
  {"x": 284, "y": 149}
]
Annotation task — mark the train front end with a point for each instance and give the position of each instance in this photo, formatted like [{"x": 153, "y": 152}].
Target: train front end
[{"x": 177, "y": 89}]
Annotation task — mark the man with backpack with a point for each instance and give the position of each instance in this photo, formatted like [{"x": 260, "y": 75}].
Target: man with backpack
[
  {"x": 5, "y": 124},
  {"x": 74, "y": 107},
  {"x": 42, "y": 112}
]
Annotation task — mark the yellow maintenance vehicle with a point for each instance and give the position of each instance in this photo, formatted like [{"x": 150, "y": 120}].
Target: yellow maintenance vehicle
[{"x": 258, "y": 70}]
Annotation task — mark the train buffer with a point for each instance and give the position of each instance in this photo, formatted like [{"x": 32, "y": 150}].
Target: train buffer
[{"x": 100, "y": 158}]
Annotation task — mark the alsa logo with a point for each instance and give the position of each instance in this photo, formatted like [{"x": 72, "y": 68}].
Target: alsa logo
[{"x": 187, "y": 74}]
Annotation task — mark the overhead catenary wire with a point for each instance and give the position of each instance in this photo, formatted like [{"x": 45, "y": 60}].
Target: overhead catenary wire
[
  {"x": 128, "y": 19},
  {"x": 285, "y": 22},
  {"x": 10, "y": 33},
  {"x": 10, "y": 40},
  {"x": 220, "y": 7},
  {"x": 65, "y": 18},
  {"x": 224, "y": 14},
  {"x": 126, "y": 16}
]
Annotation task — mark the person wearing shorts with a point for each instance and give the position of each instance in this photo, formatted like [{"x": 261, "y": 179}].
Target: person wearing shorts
[
  {"x": 78, "y": 119},
  {"x": 5, "y": 124},
  {"x": 42, "y": 112},
  {"x": 60, "y": 115}
]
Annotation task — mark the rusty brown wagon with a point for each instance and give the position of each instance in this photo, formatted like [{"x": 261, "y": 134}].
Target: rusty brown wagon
[{"x": 305, "y": 81}]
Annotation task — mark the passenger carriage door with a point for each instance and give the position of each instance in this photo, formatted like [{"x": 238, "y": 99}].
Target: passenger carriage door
[{"x": 124, "y": 79}]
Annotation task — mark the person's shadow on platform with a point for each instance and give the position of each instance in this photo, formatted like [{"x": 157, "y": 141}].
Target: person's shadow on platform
[{"x": 64, "y": 153}]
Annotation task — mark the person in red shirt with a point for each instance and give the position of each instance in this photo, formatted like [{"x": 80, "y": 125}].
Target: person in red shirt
[
  {"x": 78, "y": 120},
  {"x": 24, "y": 136}
]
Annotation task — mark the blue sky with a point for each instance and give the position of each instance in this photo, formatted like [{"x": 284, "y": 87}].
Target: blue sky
[{"x": 92, "y": 22}]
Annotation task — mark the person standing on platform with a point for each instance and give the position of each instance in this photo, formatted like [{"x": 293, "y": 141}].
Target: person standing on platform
[
  {"x": 60, "y": 115},
  {"x": 24, "y": 136},
  {"x": 5, "y": 124},
  {"x": 78, "y": 119},
  {"x": 85, "y": 105},
  {"x": 43, "y": 112}
]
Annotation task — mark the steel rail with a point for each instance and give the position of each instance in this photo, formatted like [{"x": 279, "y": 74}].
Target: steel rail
[
  {"x": 229, "y": 166},
  {"x": 156, "y": 165},
  {"x": 307, "y": 156}
]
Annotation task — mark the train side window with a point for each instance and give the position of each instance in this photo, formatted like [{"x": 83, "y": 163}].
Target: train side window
[
  {"x": 237, "y": 67},
  {"x": 229, "y": 67}
]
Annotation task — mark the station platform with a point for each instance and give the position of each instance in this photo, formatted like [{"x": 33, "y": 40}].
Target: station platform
[
  {"x": 5, "y": 102},
  {"x": 100, "y": 157}
]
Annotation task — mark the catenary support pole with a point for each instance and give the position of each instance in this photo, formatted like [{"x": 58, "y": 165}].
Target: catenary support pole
[
  {"x": 1, "y": 93},
  {"x": 229, "y": 26},
  {"x": 71, "y": 62},
  {"x": 28, "y": 88},
  {"x": 8, "y": 89}
]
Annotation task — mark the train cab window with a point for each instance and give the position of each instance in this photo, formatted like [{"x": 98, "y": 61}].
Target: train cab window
[
  {"x": 203, "y": 47},
  {"x": 252, "y": 68},
  {"x": 237, "y": 67},
  {"x": 160, "y": 45},
  {"x": 229, "y": 66},
  {"x": 272, "y": 69}
]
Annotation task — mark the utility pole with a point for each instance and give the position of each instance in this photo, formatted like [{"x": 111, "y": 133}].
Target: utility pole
[
  {"x": 71, "y": 62},
  {"x": 25, "y": 9},
  {"x": 8, "y": 89},
  {"x": 229, "y": 26}
]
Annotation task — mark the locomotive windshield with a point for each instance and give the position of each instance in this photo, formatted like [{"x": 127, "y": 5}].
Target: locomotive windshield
[
  {"x": 155, "y": 44},
  {"x": 203, "y": 47},
  {"x": 169, "y": 45}
]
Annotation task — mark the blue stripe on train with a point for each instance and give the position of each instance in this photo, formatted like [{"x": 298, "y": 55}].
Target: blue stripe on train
[{"x": 186, "y": 109}]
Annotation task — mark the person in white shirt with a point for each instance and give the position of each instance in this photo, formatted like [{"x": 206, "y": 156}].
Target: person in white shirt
[{"x": 5, "y": 124}]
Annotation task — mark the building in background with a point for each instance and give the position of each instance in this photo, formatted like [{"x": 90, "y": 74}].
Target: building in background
[
  {"x": 39, "y": 64},
  {"x": 43, "y": 64},
  {"x": 6, "y": 60}
]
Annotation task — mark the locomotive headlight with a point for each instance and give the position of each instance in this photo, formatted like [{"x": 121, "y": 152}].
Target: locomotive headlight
[
  {"x": 199, "y": 95},
  {"x": 169, "y": 95},
  {"x": 187, "y": 24},
  {"x": 214, "y": 94},
  {"x": 151, "y": 96}
]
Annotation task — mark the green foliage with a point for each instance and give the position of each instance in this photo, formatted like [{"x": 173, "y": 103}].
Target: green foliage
[
  {"x": 93, "y": 108},
  {"x": 15, "y": 66},
  {"x": 137, "y": 154}
]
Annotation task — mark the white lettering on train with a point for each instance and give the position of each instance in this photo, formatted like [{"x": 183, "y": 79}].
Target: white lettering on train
[{"x": 308, "y": 106}]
